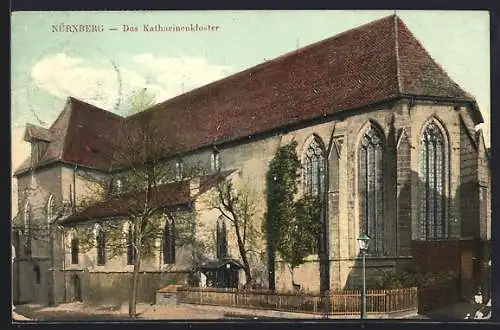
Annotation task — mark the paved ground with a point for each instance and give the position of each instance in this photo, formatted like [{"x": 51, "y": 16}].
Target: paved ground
[
  {"x": 455, "y": 312},
  {"x": 79, "y": 311}
]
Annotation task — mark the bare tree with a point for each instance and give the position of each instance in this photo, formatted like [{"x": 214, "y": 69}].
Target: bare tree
[
  {"x": 141, "y": 170},
  {"x": 238, "y": 206}
]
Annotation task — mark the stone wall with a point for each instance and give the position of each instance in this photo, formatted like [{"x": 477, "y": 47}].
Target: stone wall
[
  {"x": 115, "y": 287},
  {"x": 469, "y": 192}
]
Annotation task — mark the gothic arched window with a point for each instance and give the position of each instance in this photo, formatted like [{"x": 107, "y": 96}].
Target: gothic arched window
[
  {"x": 50, "y": 208},
  {"x": 371, "y": 188},
  {"x": 118, "y": 186},
  {"x": 433, "y": 183},
  {"x": 314, "y": 169},
  {"x": 179, "y": 169},
  {"x": 75, "y": 245},
  {"x": 101, "y": 246},
  {"x": 221, "y": 237},
  {"x": 215, "y": 161},
  {"x": 131, "y": 241},
  {"x": 169, "y": 242}
]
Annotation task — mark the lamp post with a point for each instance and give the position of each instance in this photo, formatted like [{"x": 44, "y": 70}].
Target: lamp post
[{"x": 363, "y": 241}]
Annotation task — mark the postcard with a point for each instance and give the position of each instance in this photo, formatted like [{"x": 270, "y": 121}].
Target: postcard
[{"x": 237, "y": 165}]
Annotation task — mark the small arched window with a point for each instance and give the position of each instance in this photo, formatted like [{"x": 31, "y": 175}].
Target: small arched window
[
  {"x": 433, "y": 180},
  {"x": 27, "y": 229},
  {"x": 26, "y": 218},
  {"x": 169, "y": 242},
  {"x": 50, "y": 209},
  {"x": 75, "y": 246},
  {"x": 221, "y": 238},
  {"x": 215, "y": 160},
  {"x": 131, "y": 243},
  {"x": 371, "y": 187},
  {"x": 101, "y": 246},
  {"x": 179, "y": 169},
  {"x": 118, "y": 186}
]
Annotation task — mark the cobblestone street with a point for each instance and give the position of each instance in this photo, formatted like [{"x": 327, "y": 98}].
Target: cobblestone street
[{"x": 79, "y": 311}]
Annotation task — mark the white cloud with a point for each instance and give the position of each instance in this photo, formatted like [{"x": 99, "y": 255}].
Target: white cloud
[
  {"x": 173, "y": 75},
  {"x": 62, "y": 75}
]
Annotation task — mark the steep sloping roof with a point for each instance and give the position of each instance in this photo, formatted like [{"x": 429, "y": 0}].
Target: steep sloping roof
[
  {"x": 420, "y": 75},
  {"x": 82, "y": 134},
  {"x": 91, "y": 136},
  {"x": 366, "y": 65},
  {"x": 34, "y": 132},
  {"x": 167, "y": 195},
  {"x": 375, "y": 62}
]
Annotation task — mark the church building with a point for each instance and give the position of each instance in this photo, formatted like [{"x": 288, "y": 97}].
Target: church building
[{"x": 385, "y": 137}]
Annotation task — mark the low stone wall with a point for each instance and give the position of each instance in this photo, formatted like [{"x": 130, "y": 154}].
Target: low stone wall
[
  {"x": 167, "y": 295},
  {"x": 114, "y": 288}
]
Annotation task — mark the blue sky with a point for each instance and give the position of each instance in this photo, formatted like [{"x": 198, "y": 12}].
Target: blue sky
[{"x": 104, "y": 68}]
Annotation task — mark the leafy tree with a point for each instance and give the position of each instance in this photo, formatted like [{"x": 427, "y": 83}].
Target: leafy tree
[
  {"x": 140, "y": 100},
  {"x": 301, "y": 232},
  {"x": 292, "y": 226}
]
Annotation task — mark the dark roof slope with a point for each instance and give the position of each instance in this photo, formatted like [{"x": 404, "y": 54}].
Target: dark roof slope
[
  {"x": 419, "y": 74},
  {"x": 34, "y": 132},
  {"x": 369, "y": 64},
  {"x": 91, "y": 136},
  {"x": 167, "y": 195},
  {"x": 82, "y": 134}
]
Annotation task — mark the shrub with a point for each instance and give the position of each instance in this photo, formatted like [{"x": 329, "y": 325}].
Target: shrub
[{"x": 412, "y": 277}]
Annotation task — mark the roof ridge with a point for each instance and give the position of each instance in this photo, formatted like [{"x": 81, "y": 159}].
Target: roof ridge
[
  {"x": 69, "y": 107},
  {"x": 94, "y": 107},
  {"x": 260, "y": 65},
  {"x": 396, "y": 53}
]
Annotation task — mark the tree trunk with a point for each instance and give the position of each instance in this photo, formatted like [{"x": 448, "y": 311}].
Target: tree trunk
[
  {"x": 295, "y": 286},
  {"x": 243, "y": 254},
  {"x": 132, "y": 305}
]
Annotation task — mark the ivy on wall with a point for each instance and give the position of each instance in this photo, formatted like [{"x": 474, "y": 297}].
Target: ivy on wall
[{"x": 292, "y": 225}]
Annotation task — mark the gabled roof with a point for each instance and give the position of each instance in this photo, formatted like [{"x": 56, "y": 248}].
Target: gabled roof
[
  {"x": 373, "y": 63},
  {"x": 34, "y": 132},
  {"x": 167, "y": 195},
  {"x": 82, "y": 134}
]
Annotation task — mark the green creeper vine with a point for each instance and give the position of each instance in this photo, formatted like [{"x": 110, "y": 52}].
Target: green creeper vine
[{"x": 292, "y": 226}]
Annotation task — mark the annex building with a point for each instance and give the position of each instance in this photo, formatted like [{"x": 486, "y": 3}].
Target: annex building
[{"x": 385, "y": 137}]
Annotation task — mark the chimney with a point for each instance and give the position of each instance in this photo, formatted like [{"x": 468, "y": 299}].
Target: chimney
[{"x": 194, "y": 186}]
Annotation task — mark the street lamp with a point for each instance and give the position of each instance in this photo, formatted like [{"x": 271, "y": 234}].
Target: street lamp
[{"x": 363, "y": 241}]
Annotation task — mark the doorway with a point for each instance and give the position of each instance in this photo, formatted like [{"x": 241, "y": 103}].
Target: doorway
[{"x": 76, "y": 288}]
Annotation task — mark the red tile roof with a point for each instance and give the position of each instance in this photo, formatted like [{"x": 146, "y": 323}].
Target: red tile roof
[
  {"x": 376, "y": 62},
  {"x": 167, "y": 195},
  {"x": 82, "y": 134},
  {"x": 366, "y": 65},
  {"x": 419, "y": 73}
]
